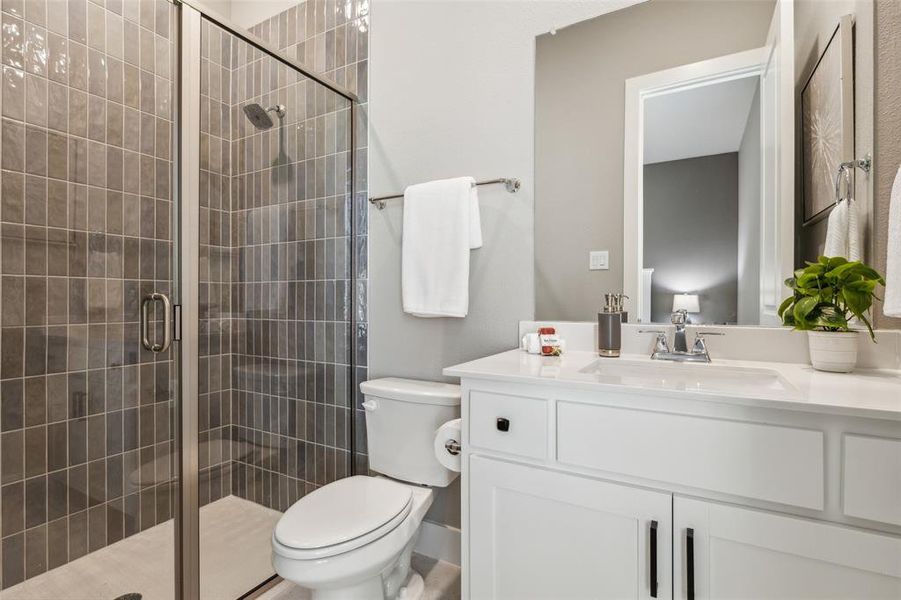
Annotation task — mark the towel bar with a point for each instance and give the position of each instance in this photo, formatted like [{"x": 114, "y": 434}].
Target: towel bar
[{"x": 510, "y": 183}]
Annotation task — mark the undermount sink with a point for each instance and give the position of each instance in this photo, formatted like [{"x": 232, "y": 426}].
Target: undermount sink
[{"x": 705, "y": 378}]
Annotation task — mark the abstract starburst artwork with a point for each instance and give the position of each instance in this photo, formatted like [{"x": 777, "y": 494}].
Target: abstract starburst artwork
[{"x": 825, "y": 130}]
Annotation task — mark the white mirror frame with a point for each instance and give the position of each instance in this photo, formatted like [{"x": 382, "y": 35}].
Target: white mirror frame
[
  {"x": 638, "y": 91},
  {"x": 777, "y": 160}
]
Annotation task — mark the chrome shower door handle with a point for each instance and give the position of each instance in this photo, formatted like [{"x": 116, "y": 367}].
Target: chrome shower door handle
[{"x": 167, "y": 322}]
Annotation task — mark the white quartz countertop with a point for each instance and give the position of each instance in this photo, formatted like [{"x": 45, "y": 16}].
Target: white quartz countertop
[{"x": 872, "y": 393}]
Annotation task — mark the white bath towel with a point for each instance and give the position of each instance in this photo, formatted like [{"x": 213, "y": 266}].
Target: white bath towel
[
  {"x": 892, "y": 306},
  {"x": 441, "y": 225},
  {"x": 843, "y": 231}
]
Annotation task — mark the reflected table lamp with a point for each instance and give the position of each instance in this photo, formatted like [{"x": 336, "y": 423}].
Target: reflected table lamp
[{"x": 687, "y": 302}]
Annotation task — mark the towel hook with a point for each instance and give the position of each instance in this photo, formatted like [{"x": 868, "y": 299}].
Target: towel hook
[
  {"x": 865, "y": 164},
  {"x": 842, "y": 170}
]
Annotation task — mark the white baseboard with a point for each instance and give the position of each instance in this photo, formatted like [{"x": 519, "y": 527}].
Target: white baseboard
[{"x": 440, "y": 542}]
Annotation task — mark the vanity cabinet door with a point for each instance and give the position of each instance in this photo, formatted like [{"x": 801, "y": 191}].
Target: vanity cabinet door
[
  {"x": 723, "y": 551},
  {"x": 545, "y": 535}
]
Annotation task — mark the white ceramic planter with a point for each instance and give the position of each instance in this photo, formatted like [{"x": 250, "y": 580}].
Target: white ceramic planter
[{"x": 833, "y": 351}]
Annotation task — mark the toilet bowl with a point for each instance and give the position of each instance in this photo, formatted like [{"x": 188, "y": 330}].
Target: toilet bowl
[
  {"x": 355, "y": 558},
  {"x": 353, "y": 538}
]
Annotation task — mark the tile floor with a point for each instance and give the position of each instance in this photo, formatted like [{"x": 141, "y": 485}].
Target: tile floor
[
  {"x": 234, "y": 551},
  {"x": 234, "y": 556}
]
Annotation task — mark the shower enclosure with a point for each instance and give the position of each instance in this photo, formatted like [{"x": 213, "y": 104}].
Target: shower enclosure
[{"x": 181, "y": 294}]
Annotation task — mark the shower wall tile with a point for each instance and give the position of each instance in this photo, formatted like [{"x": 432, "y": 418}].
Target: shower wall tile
[
  {"x": 214, "y": 401},
  {"x": 292, "y": 225},
  {"x": 82, "y": 465}
]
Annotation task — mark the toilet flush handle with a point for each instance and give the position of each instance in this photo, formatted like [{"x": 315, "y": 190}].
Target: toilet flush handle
[{"x": 370, "y": 405}]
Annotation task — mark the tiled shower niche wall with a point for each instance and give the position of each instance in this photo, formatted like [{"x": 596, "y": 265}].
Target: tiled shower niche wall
[{"x": 85, "y": 411}]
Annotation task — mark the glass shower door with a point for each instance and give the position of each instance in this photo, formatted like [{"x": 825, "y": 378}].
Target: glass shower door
[
  {"x": 274, "y": 282},
  {"x": 87, "y": 479}
]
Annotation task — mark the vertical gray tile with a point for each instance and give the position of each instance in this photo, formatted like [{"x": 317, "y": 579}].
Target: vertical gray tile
[
  {"x": 57, "y": 543},
  {"x": 12, "y": 508},
  {"x": 13, "y": 41},
  {"x": 57, "y": 107},
  {"x": 35, "y": 551},
  {"x": 96, "y": 27},
  {"x": 13, "y": 93},
  {"x": 36, "y": 100},
  {"x": 35, "y": 502},
  {"x": 13, "y": 145},
  {"x": 13, "y": 553}
]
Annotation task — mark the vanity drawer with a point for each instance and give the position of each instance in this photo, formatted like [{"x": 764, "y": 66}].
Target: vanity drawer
[
  {"x": 765, "y": 462},
  {"x": 513, "y": 424},
  {"x": 871, "y": 481}
]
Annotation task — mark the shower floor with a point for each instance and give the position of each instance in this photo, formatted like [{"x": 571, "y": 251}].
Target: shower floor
[{"x": 234, "y": 557}]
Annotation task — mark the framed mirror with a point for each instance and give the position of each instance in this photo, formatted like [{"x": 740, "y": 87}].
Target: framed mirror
[{"x": 668, "y": 142}]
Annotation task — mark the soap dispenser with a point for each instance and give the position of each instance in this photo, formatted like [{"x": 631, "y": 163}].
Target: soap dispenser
[
  {"x": 619, "y": 301},
  {"x": 610, "y": 324}
]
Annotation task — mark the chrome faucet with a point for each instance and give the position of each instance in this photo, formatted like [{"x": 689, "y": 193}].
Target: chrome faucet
[
  {"x": 680, "y": 352},
  {"x": 679, "y": 318}
]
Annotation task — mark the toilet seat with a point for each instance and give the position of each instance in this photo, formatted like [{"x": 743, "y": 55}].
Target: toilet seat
[{"x": 342, "y": 516}]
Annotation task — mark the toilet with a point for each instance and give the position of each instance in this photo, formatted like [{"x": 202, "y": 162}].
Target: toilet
[{"x": 353, "y": 538}]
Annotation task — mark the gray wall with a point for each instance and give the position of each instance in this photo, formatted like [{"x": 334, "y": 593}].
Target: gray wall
[
  {"x": 452, "y": 87},
  {"x": 579, "y": 107},
  {"x": 690, "y": 233},
  {"x": 749, "y": 218}
]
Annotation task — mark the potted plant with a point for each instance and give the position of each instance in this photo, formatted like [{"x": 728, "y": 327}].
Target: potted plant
[{"x": 827, "y": 295}]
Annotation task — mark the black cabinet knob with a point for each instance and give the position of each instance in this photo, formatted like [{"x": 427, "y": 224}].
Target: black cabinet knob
[{"x": 503, "y": 424}]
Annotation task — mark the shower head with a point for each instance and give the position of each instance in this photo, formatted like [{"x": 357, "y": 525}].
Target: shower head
[{"x": 259, "y": 116}]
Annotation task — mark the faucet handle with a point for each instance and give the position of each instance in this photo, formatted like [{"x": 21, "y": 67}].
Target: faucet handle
[
  {"x": 661, "y": 344},
  {"x": 700, "y": 345}
]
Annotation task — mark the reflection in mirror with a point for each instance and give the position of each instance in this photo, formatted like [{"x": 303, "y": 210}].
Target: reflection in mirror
[
  {"x": 703, "y": 192},
  {"x": 701, "y": 202}
]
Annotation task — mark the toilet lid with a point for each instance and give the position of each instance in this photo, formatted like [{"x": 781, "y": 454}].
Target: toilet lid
[{"x": 342, "y": 511}]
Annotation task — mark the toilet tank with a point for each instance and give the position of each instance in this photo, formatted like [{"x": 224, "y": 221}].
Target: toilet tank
[{"x": 402, "y": 416}]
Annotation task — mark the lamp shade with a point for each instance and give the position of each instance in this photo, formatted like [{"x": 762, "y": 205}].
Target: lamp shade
[{"x": 686, "y": 302}]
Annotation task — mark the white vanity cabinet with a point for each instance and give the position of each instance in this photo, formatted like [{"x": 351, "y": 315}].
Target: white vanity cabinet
[
  {"x": 724, "y": 551},
  {"x": 574, "y": 493},
  {"x": 541, "y": 534}
]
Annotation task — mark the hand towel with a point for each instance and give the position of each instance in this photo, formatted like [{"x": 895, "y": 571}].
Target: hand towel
[
  {"x": 837, "y": 231},
  {"x": 441, "y": 226},
  {"x": 892, "y": 305},
  {"x": 854, "y": 246},
  {"x": 843, "y": 231}
]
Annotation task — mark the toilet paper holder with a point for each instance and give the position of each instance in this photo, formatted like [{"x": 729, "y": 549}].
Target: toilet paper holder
[{"x": 453, "y": 447}]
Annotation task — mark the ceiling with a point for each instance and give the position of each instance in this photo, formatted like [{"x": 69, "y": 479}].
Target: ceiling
[
  {"x": 247, "y": 13},
  {"x": 701, "y": 121}
]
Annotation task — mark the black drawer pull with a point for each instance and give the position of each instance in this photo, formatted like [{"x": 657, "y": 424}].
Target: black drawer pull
[
  {"x": 503, "y": 424},
  {"x": 690, "y": 563},
  {"x": 653, "y": 559}
]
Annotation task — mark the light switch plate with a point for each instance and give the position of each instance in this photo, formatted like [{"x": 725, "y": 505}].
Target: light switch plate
[{"x": 598, "y": 260}]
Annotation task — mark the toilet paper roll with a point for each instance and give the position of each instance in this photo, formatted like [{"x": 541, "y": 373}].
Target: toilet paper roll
[{"x": 450, "y": 431}]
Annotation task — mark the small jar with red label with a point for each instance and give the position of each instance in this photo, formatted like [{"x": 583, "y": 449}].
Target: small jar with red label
[{"x": 549, "y": 342}]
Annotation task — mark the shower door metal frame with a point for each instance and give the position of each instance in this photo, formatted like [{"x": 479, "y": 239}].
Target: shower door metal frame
[{"x": 187, "y": 264}]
